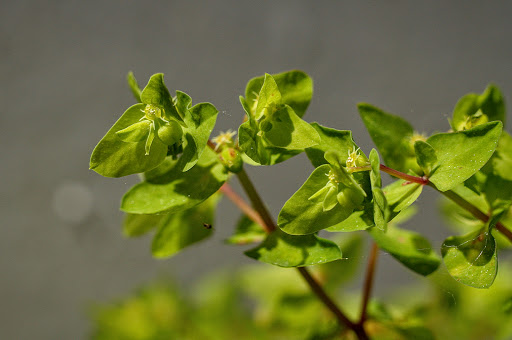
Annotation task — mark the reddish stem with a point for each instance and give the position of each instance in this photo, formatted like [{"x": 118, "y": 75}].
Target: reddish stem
[
  {"x": 395, "y": 173},
  {"x": 368, "y": 282},
  {"x": 243, "y": 206}
]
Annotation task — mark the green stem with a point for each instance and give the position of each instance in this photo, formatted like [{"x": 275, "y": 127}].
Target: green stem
[
  {"x": 255, "y": 199},
  {"x": 260, "y": 208},
  {"x": 368, "y": 283}
]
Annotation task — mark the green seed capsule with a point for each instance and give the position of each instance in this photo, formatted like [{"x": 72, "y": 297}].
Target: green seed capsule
[
  {"x": 170, "y": 133},
  {"x": 349, "y": 198}
]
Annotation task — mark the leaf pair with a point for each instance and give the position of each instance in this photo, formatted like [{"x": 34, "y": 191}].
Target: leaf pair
[
  {"x": 274, "y": 130},
  {"x": 447, "y": 159},
  {"x": 144, "y": 135}
]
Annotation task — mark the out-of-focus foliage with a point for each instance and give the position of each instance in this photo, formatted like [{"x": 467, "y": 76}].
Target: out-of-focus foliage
[{"x": 265, "y": 302}]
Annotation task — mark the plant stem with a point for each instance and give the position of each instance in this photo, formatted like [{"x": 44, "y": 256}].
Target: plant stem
[
  {"x": 329, "y": 303},
  {"x": 474, "y": 211},
  {"x": 243, "y": 206},
  {"x": 264, "y": 214},
  {"x": 256, "y": 201},
  {"x": 368, "y": 282},
  {"x": 395, "y": 173}
]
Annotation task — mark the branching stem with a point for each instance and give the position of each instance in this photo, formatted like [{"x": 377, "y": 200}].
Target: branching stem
[{"x": 261, "y": 215}]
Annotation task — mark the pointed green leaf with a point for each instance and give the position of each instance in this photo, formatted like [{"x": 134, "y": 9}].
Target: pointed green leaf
[
  {"x": 492, "y": 104},
  {"x": 268, "y": 98},
  {"x": 408, "y": 247},
  {"x": 471, "y": 259},
  {"x": 289, "y": 131},
  {"x": 184, "y": 228},
  {"x": 156, "y": 93},
  {"x": 461, "y": 154},
  {"x": 465, "y": 107},
  {"x": 248, "y": 143},
  {"x": 380, "y": 204},
  {"x": 300, "y": 215},
  {"x": 283, "y": 250},
  {"x": 134, "y": 87},
  {"x": 400, "y": 195},
  {"x": 136, "y": 225},
  {"x": 176, "y": 190},
  {"x": 245, "y": 105},
  {"x": 114, "y": 158},
  {"x": 296, "y": 89},
  {"x": 473, "y": 109},
  {"x": 200, "y": 120},
  {"x": 391, "y": 134},
  {"x": 246, "y": 232},
  {"x": 330, "y": 139},
  {"x": 425, "y": 156}
]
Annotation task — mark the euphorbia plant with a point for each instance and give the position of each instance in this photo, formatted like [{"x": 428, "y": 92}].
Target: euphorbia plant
[{"x": 184, "y": 172}]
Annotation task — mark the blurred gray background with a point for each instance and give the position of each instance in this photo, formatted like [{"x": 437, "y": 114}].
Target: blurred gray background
[{"x": 63, "y": 68}]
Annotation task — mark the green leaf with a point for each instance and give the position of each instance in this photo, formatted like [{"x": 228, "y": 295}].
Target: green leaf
[
  {"x": 425, "y": 156},
  {"x": 391, "y": 134},
  {"x": 330, "y": 139},
  {"x": 175, "y": 190},
  {"x": 274, "y": 132},
  {"x": 400, "y": 195},
  {"x": 501, "y": 160},
  {"x": 465, "y": 107},
  {"x": 268, "y": 98},
  {"x": 471, "y": 259},
  {"x": 300, "y": 215},
  {"x": 156, "y": 93},
  {"x": 246, "y": 232},
  {"x": 259, "y": 152},
  {"x": 114, "y": 158},
  {"x": 200, "y": 120},
  {"x": 380, "y": 204},
  {"x": 492, "y": 104},
  {"x": 136, "y": 225},
  {"x": 461, "y": 154},
  {"x": 358, "y": 220},
  {"x": 182, "y": 229},
  {"x": 408, "y": 247},
  {"x": 290, "y": 132},
  {"x": 473, "y": 109},
  {"x": 285, "y": 250},
  {"x": 295, "y": 87},
  {"x": 132, "y": 83}
]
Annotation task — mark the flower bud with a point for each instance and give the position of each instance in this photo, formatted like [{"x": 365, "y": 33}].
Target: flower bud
[{"x": 231, "y": 159}]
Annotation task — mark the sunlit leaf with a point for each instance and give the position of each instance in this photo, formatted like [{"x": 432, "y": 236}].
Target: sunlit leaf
[{"x": 286, "y": 250}]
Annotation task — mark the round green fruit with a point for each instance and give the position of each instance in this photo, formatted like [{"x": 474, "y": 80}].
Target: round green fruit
[{"x": 170, "y": 133}]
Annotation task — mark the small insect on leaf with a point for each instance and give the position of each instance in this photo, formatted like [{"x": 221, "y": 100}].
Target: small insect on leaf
[{"x": 207, "y": 226}]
